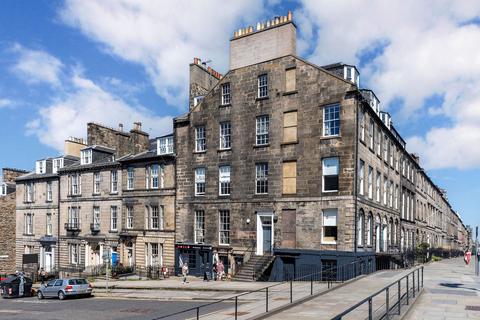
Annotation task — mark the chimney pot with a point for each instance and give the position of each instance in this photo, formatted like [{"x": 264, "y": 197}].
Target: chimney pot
[
  {"x": 120, "y": 126},
  {"x": 137, "y": 126},
  {"x": 289, "y": 16}
]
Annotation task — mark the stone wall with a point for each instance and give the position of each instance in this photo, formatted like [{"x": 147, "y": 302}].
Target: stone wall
[
  {"x": 9, "y": 174},
  {"x": 7, "y": 233},
  {"x": 124, "y": 143}
]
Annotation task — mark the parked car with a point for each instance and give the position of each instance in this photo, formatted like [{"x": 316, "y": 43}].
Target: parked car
[
  {"x": 15, "y": 286},
  {"x": 63, "y": 288}
]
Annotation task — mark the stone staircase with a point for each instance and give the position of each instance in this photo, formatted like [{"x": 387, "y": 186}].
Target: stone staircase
[{"x": 254, "y": 268}]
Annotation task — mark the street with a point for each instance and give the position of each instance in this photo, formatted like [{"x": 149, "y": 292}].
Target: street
[{"x": 95, "y": 309}]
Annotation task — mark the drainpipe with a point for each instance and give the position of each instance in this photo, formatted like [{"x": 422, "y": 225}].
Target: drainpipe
[
  {"x": 356, "y": 177},
  {"x": 58, "y": 224}
]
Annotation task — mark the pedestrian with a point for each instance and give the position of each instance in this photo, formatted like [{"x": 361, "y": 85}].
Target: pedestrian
[
  {"x": 184, "y": 273},
  {"x": 214, "y": 271},
  {"x": 467, "y": 257},
  {"x": 220, "y": 270},
  {"x": 205, "y": 272},
  {"x": 42, "y": 274}
]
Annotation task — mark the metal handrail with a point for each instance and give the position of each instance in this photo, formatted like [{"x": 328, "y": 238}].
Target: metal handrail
[
  {"x": 386, "y": 290},
  {"x": 235, "y": 298}
]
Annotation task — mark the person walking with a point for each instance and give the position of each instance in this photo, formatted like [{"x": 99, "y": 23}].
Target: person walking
[
  {"x": 214, "y": 271},
  {"x": 42, "y": 274},
  {"x": 184, "y": 273},
  {"x": 220, "y": 270}
]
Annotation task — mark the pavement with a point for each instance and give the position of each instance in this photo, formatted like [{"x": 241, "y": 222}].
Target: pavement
[
  {"x": 334, "y": 302},
  {"x": 451, "y": 291}
]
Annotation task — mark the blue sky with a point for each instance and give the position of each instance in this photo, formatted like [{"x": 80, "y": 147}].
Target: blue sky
[{"x": 64, "y": 63}]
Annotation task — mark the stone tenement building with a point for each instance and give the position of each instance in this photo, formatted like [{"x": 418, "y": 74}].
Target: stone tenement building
[
  {"x": 7, "y": 218},
  {"x": 283, "y": 157},
  {"x": 116, "y": 199}
]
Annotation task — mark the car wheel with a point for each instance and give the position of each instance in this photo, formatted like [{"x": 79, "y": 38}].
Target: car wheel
[
  {"x": 40, "y": 295},
  {"x": 61, "y": 295}
]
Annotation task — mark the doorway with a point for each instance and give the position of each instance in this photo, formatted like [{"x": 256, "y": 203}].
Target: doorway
[{"x": 265, "y": 233}]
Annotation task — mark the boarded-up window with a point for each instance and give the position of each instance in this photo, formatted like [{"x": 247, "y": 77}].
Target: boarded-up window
[
  {"x": 290, "y": 126},
  {"x": 288, "y": 228},
  {"x": 290, "y": 80},
  {"x": 290, "y": 177}
]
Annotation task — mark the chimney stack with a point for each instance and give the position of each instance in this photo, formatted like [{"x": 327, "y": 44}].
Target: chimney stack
[
  {"x": 269, "y": 40},
  {"x": 120, "y": 127},
  {"x": 137, "y": 126}
]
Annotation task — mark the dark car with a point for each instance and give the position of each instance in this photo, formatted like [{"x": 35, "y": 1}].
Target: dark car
[
  {"x": 62, "y": 288},
  {"x": 15, "y": 286}
]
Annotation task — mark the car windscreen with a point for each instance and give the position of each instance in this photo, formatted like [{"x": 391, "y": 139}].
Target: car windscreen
[{"x": 77, "y": 281}]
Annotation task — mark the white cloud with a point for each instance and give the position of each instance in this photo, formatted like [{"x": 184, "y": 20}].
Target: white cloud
[
  {"x": 5, "y": 103},
  {"x": 430, "y": 48},
  {"x": 86, "y": 102},
  {"x": 36, "y": 66},
  {"x": 163, "y": 37}
]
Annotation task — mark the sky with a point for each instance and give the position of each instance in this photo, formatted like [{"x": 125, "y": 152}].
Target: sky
[{"x": 66, "y": 63}]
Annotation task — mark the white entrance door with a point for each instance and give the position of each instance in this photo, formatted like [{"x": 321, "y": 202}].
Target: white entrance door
[
  {"x": 377, "y": 237},
  {"x": 265, "y": 233},
  {"x": 48, "y": 259}
]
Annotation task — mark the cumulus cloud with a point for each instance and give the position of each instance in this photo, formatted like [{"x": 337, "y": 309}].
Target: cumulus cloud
[
  {"x": 5, "y": 103},
  {"x": 415, "y": 50},
  {"x": 161, "y": 37},
  {"x": 78, "y": 100},
  {"x": 86, "y": 102},
  {"x": 36, "y": 66}
]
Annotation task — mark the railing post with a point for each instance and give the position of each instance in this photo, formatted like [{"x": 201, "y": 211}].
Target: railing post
[
  {"x": 399, "y": 297},
  {"x": 418, "y": 280},
  {"x": 370, "y": 309},
  {"x": 291, "y": 291},
  {"x": 198, "y": 313},
  {"x": 266, "y": 299},
  {"x": 407, "y": 290},
  {"x": 311, "y": 285},
  {"x": 236, "y": 307},
  {"x": 387, "y": 302},
  {"x": 413, "y": 283},
  {"x": 422, "y": 276}
]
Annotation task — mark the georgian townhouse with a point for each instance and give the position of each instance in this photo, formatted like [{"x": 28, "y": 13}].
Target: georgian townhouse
[
  {"x": 90, "y": 209},
  {"x": 37, "y": 210},
  {"x": 147, "y": 233},
  {"x": 7, "y": 218},
  {"x": 288, "y": 162}
]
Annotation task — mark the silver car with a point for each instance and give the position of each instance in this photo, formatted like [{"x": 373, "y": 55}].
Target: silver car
[{"x": 63, "y": 288}]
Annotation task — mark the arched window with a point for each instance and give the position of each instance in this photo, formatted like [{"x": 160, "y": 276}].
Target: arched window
[
  {"x": 360, "y": 228},
  {"x": 402, "y": 240},
  {"x": 384, "y": 235},
  {"x": 369, "y": 229},
  {"x": 391, "y": 232},
  {"x": 397, "y": 233}
]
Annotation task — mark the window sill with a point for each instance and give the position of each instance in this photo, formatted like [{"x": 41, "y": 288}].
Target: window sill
[
  {"x": 288, "y": 143},
  {"x": 257, "y": 146},
  {"x": 329, "y": 191},
  {"x": 28, "y": 234},
  {"x": 330, "y": 137},
  {"x": 261, "y": 98},
  {"x": 114, "y": 193},
  {"x": 200, "y": 195},
  {"x": 261, "y": 194},
  {"x": 223, "y": 150},
  {"x": 224, "y": 195},
  {"x": 225, "y": 105},
  {"x": 288, "y": 93},
  {"x": 200, "y": 152},
  {"x": 224, "y": 244},
  {"x": 95, "y": 194},
  {"x": 113, "y": 231},
  {"x": 329, "y": 243}
]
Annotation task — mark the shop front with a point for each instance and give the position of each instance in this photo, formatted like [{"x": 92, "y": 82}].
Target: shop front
[{"x": 198, "y": 257}]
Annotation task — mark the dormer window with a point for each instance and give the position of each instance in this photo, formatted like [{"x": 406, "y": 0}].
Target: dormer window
[
  {"x": 197, "y": 100},
  {"x": 351, "y": 74},
  {"x": 40, "y": 167},
  {"x": 57, "y": 164},
  {"x": 86, "y": 156},
  {"x": 165, "y": 145}
]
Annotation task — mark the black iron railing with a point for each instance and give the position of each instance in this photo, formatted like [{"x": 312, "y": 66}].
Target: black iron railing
[
  {"x": 393, "y": 303},
  {"x": 278, "y": 295}
]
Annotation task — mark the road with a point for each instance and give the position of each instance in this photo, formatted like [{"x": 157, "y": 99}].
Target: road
[{"x": 95, "y": 309}]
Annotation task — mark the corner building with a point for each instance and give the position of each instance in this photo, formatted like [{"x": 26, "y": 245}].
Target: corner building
[
  {"x": 293, "y": 166},
  {"x": 266, "y": 160}
]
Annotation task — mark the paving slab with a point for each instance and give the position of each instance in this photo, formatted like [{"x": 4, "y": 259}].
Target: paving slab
[{"x": 451, "y": 288}]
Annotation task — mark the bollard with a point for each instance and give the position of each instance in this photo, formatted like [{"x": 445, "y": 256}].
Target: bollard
[
  {"x": 311, "y": 285},
  {"x": 422, "y": 276},
  {"x": 418, "y": 280}
]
